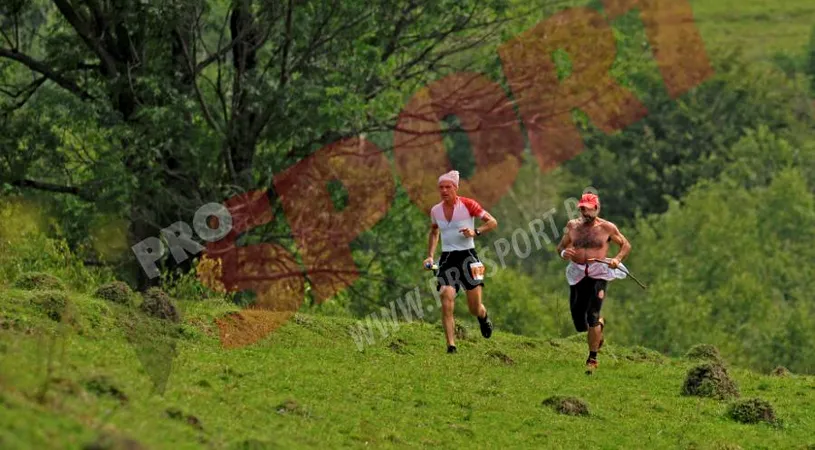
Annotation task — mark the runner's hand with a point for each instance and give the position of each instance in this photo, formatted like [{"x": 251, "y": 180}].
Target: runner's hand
[
  {"x": 467, "y": 232},
  {"x": 614, "y": 263},
  {"x": 569, "y": 253},
  {"x": 427, "y": 261}
]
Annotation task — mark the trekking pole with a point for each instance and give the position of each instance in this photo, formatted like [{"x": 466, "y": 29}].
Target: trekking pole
[{"x": 623, "y": 270}]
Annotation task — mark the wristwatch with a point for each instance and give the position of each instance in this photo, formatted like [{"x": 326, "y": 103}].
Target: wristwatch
[{"x": 477, "y": 233}]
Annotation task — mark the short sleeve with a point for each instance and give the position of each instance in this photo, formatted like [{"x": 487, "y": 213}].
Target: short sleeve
[
  {"x": 474, "y": 208},
  {"x": 433, "y": 221}
]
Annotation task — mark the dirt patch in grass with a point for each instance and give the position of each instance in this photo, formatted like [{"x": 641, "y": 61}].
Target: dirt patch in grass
[
  {"x": 249, "y": 326},
  {"x": 189, "y": 419},
  {"x": 399, "y": 346},
  {"x": 102, "y": 386},
  {"x": 501, "y": 356}
]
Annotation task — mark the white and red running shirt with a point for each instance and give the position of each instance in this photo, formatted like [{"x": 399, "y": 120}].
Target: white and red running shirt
[{"x": 464, "y": 213}]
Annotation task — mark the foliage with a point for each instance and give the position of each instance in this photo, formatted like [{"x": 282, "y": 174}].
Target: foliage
[
  {"x": 727, "y": 256},
  {"x": 681, "y": 141},
  {"x": 25, "y": 247}
]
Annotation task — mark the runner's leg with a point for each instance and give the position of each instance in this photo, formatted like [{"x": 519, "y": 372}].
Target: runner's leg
[
  {"x": 448, "y": 303},
  {"x": 474, "y": 303}
]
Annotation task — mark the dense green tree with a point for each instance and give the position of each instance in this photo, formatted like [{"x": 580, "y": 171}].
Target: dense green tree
[{"x": 150, "y": 110}]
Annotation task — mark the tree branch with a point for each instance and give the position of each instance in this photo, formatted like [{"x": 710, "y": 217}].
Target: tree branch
[
  {"x": 191, "y": 67},
  {"x": 70, "y": 14},
  {"x": 43, "y": 69},
  {"x": 50, "y": 187},
  {"x": 27, "y": 92},
  {"x": 286, "y": 45}
]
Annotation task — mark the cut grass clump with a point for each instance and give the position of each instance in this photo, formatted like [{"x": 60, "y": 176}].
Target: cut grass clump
[
  {"x": 780, "y": 371},
  {"x": 189, "y": 419},
  {"x": 642, "y": 354},
  {"x": 116, "y": 292},
  {"x": 101, "y": 386},
  {"x": 108, "y": 441},
  {"x": 570, "y": 406},
  {"x": 704, "y": 352},
  {"x": 31, "y": 281},
  {"x": 158, "y": 304},
  {"x": 461, "y": 332},
  {"x": 500, "y": 356},
  {"x": 710, "y": 380},
  {"x": 752, "y": 410},
  {"x": 53, "y": 303}
]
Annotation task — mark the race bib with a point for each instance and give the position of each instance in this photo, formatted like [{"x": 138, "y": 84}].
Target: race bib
[{"x": 477, "y": 271}]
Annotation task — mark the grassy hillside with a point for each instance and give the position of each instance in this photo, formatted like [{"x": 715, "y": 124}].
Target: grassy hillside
[
  {"x": 70, "y": 383},
  {"x": 761, "y": 28}
]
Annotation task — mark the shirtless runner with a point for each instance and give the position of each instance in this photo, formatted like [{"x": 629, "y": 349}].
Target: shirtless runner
[{"x": 586, "y": 238}]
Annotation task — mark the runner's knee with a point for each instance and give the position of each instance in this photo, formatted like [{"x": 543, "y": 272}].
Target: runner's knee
[
  {"x": 594, "y": 318},
  {"x": 448, "y": 298}
]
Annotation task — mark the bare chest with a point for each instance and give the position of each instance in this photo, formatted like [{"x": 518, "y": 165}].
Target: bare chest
[
  {"x": 448, "y": 212},
  {"x": 589, "y": 237}
]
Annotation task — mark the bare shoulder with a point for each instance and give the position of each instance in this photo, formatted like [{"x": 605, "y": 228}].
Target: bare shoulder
[{"x": 609, "y": 226}]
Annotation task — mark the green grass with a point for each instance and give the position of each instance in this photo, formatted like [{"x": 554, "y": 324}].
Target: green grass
[
  {"x": 308, "y": 386},
  {"x": 760, "y": 27}
]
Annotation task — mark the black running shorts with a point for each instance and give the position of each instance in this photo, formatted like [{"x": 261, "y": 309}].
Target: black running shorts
[
  {"x": 454, "y": 270},
  {"x": 585, "y": 302}
]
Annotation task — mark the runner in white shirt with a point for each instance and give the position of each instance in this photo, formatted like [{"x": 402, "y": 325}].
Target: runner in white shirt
[
  {"x": 454, "y": 220},
  {"x": 585, "y": 239}
]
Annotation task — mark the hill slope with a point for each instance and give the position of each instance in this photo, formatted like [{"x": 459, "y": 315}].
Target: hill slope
[{"x": 308, "y": 386}]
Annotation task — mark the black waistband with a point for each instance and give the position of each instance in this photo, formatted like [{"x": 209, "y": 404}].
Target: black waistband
[{"x": 455, "y": 252}]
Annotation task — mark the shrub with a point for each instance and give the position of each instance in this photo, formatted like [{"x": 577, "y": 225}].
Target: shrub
[{"x": 25, "y": 246}]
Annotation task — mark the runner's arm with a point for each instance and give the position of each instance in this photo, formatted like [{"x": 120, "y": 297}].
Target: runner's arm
[
  {"x": 566, "y": 241},
  {"x": 432, "y": 240},
  {"x": 489, "y": 223},
  {"x": 616, "y": 236}
]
